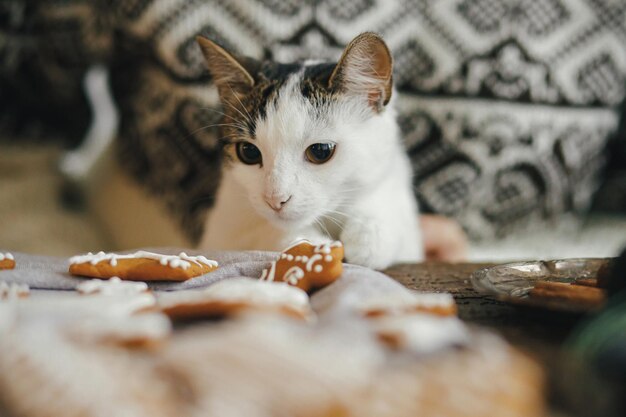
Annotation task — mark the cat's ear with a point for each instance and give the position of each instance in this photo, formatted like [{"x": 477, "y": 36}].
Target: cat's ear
[
  {"x": 365, "y": 69},
  {"x": 229, "y": 72}
]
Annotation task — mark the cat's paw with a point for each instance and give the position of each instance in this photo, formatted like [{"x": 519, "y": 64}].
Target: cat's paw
[{"x": 367, "y": 245}]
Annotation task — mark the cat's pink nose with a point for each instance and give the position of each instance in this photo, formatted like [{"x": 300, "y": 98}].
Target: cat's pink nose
[{"x": 277, "y": 203}]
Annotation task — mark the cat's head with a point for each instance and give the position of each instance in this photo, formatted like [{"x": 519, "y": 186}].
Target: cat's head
[{"x": 303, "y": 139}]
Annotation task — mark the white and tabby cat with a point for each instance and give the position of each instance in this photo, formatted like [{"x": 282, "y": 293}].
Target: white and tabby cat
[{"x": 313, "y": 150}]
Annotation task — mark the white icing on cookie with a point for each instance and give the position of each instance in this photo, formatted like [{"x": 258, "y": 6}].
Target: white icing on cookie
[
  {"x": 423, "y": 333},
  {"x": 324, "y": 248},
  {"x": 12, "y": 291},
  {"x": 113, "y": 286},
  {"x": 140, "y": 327},
  {"x": 312, "y": 260},
  {"x": 406, "y": 300},
  {"x": 182, "y": 260},
  {"x": 246, "y": 290},
  {"x": 4, "y": 256},
  {"x": 66, "y": 305},
  {"x": 269, "y": 274},
  {"x": 293, "y": 275}
]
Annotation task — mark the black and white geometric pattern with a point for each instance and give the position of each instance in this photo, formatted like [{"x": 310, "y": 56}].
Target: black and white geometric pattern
[{"x": 506, "y": 106}]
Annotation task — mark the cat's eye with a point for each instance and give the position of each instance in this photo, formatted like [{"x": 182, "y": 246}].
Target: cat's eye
[
  {"x": 248, "y": 153},
  {"x": 318, "y": 153}
]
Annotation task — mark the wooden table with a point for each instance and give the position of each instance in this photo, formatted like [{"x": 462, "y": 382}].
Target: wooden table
[{"x": 538, "y": 333}]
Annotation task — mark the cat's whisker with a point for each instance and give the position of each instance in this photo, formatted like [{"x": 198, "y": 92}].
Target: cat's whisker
[
  {"x": 336, "y": 211},
  {"x": 237, "y": 110},
  {"x": 336, "y": 222},
  {"x": 329, "y": 215},
  {"x": 221, "y": 113},
  {"x": 234, "y": 120},
  {"x": 200, "y": 129},
  {"x": 241, "y": 104},
  {"x": 237, "y": 123},
  {"x": 214, "y": 125},
  {"x": 346, "y": 195},
  {"x": 350, "y": 192},
  {"x": 248, "y": 117},
  {"x": 356, "y": 188},
  {"x": 322, "y": 226}
]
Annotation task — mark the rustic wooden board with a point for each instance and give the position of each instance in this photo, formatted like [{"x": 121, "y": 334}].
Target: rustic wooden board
[{"x": 519, "y": 325}]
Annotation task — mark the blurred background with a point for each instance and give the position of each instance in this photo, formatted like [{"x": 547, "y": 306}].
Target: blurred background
[{"x": 512, "y": 113}]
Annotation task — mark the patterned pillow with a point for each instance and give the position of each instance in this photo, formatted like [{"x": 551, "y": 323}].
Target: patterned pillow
[{"x": 506, "y": 107}]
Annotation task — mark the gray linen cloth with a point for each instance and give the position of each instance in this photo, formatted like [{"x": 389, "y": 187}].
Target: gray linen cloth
[{"x": 51, "y": 273}]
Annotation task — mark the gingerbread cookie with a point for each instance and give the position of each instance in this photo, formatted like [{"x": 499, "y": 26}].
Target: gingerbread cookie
[
  {"x": 580, "y": 295},
  {"x": 407, "y": 302},
  {"x": 141, "y": 266},
  {"x": 586, "y": 282},
  {"x": 119, "y": 313},
  {"x": 6, "y": 261},
  {"x": 307, "y": 266},
  {"x": 111, "y": 286},
  {"x": 233, "y": 296}
]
